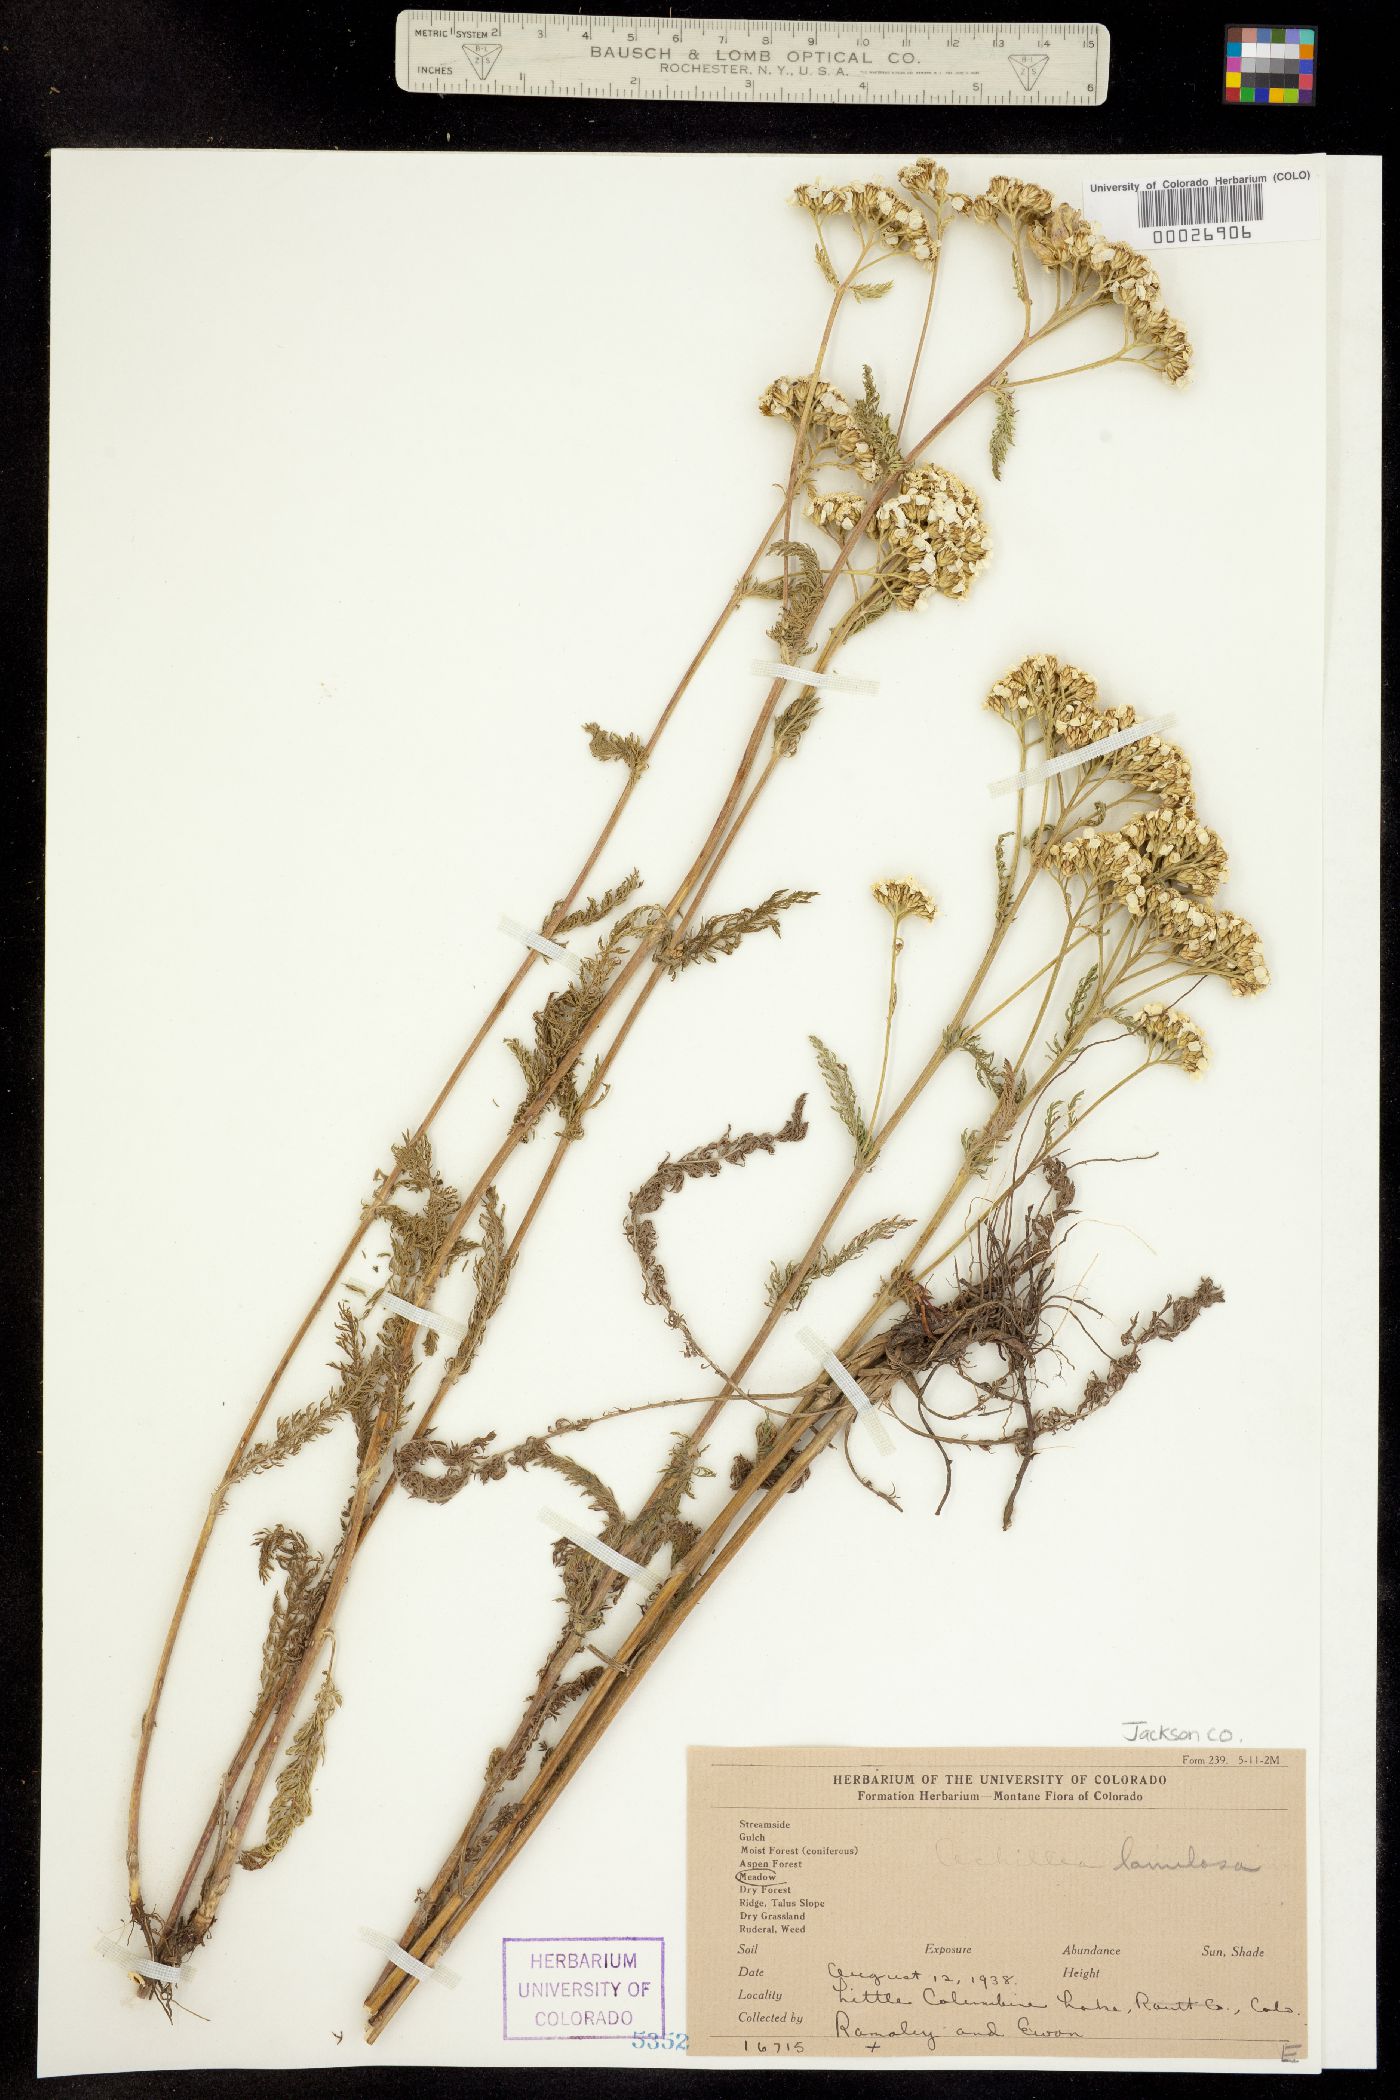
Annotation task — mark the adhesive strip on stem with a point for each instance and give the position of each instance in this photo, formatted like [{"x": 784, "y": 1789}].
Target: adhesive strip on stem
[
  {"x": 424, "y": 1316},
  {"x": 409, "y": 1963},
  {"x": 137, "y": 1964},
  {"x": 860, "y": 1400},
  {"x": 610, "y": 1558},
  {"x": 541, "y": 943},
  {"x": 838, "y": 681},
  {"x": 1048, "y": 768}
]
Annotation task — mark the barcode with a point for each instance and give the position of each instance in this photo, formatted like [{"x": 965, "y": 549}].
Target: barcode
[{"x": 1203, "y": 204}]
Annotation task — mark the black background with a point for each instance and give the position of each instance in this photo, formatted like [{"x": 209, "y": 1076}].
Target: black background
[{"x": 321, "y": 78}]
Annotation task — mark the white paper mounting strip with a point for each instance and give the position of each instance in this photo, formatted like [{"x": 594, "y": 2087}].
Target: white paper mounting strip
[
  {"x": 423, "y": 1315},
  {"x": 541, "y": 943},
  {"x": 860, "y": 1401},
  {"x": 795, "y": 675},
  {"x": 137, "y": 1964},
  {"x": 609, "y": 1557},
  {"x": 409, "y": 1963},
  {"x": 1067, "y": 760}
]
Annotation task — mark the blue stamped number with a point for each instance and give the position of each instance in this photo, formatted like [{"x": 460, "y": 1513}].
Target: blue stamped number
[{"x": 659, "y": 2041}]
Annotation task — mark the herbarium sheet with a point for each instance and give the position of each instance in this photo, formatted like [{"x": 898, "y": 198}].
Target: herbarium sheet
[{"x": 806, "y": 682}]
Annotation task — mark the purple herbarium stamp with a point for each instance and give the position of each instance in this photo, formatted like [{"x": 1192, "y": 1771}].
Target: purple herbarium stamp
[{"x": 581, "y": 1989}]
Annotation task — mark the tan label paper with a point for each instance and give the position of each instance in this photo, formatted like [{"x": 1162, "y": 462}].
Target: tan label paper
[{"x": 997, "y": 1903}]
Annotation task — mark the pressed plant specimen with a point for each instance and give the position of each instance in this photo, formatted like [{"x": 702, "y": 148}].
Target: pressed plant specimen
[
  {"x": 894, "y": 530},
  {"x": 1115, "y": 835}
]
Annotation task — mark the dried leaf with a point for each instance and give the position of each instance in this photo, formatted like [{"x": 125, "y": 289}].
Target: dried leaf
[
  {"x": 291, "y": 1799},
  {"x": 801, "y": 594},
  {"x": 841, "y": 1088},
  {"x": 1004, "y": 870},
  {"x": 295, "y": 1609},
  {"x": 990, "y": 1071},
  {"x": 875, "y": 427},
  {"x": 491, "y": 1274},
  {"x": 593, "y": 908},
  {"x": 606, "y": 744},
  {"x": 564, "y": 1695},
  {"x": 1004, "y": 428},
  {"x": 566, "y": 1014},
  {"x": 459, "y": 1462},
  {"x": 534, "y": 1451},
  {"x": 1170, "y": 1321},
  {"x": 1074, "y": 1012},
  {"x": 294, "y": 1431},
  {"x": 416, "y": 1235},
  {"x": 826, "y": 1264},
  {"x": 670, "y": 1177},
  {"x": 722, "y": 934},
  {"x": 796, "y": 719}
]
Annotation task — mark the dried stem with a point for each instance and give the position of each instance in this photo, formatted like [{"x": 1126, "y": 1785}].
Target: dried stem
[
  {"x": 685, "y": 901},
  {"x": 347, "y": 1252}
]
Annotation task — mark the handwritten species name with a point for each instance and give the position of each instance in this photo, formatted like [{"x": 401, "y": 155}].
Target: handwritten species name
[{"x": 1127, "y": 1858}]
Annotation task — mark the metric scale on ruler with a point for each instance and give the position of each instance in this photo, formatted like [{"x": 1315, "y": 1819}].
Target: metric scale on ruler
[{"x": 645, "y": 58}]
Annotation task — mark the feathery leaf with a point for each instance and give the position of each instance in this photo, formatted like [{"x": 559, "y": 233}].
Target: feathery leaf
[
  {"x": 841, "y": 1088},
  {"x": 291, "y": 1799},
  {"x": 606, "y": 744},
  {"x": 826, "y": 1263},
  {"x": 722, "y": 934},
  {"x": 1004, "y": 428},
  {"x": 670, "y": 1177},
  {"x": 876, "y": 428},
  {"x": 796, "y": 719},
  {"x": 593, "y": 908}
]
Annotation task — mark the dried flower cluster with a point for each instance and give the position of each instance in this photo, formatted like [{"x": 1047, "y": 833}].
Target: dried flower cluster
[
  {"x": 1218, "y": 943},
  {"x": 1064, "y": 704},
  {"x": 1163, "y": 864},
  {"x": 926, "y": 179},
  {"x": 1175, "y": 845},
  {"x": 1067, "y": 243},
  {"x": 931, "y": 531},
  {"x": 830, "y": 417},
  {"x": 1158, "y": 847},
  {"x": 1174, "y": 1033},
  {"x": 904, "y": 898},
  {"x": 897, "y": 225},
  {"x": 837, "y": 511},
  {"x": 1006, "y": 198},
  {"x": 934, "y": 529},
  {"x": 1064, "y": 240}
]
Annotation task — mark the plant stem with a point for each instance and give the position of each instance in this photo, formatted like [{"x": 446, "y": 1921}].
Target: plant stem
[
  {"x": 569, "y": 1645},
  {"x": 918, "y": 357},
  {"x": 347, "y": 1252},
  {"x": 693, "y": 887},
  {"x": 275, "y": 1701},
  {"x": 601, "y": 1709},
  {"x": 890, "y": 1004}
]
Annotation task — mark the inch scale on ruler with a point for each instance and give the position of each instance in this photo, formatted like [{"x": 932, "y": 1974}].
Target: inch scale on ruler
[{"x": 645, "y": 58}]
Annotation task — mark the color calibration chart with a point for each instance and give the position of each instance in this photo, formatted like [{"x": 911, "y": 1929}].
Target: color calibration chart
[{"x": 1266, "y": 64}]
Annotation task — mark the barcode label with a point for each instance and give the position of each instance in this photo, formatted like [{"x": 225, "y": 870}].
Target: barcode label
[
  {"x": 1203, "y": 204},
  {"x": 1212, "y": 208}
]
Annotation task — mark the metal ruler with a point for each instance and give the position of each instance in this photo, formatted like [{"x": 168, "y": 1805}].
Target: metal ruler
[{"x": 645, "y": 58}]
